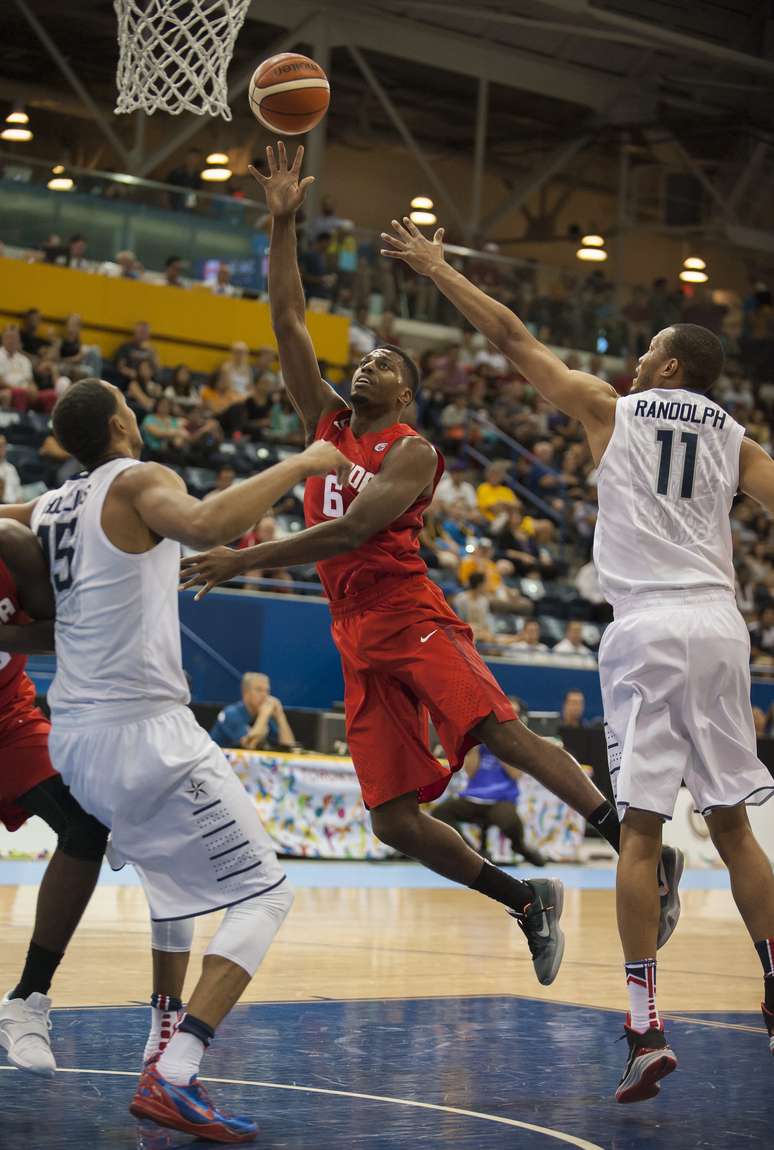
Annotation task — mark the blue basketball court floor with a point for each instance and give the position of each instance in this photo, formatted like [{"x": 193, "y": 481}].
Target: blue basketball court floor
[
  {"x": 423, "y": 1074},
  {"x": 480, "y": 1072}
]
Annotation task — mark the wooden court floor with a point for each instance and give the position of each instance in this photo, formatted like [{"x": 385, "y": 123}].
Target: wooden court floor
[{"x": 404, "y": 943}]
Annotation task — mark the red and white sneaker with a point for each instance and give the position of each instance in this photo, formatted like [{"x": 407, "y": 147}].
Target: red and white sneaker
[
  {"x": 650, "y": 1059},
  {"x": 768, "y": 1018}
]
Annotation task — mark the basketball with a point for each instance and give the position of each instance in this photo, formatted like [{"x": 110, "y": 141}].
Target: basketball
[{"x": 289, "y": 93}]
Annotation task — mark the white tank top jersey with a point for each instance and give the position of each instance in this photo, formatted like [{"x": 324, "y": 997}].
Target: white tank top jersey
[
  {"x": 117, "y": 624},
  {"x": 665, "y": 485}
]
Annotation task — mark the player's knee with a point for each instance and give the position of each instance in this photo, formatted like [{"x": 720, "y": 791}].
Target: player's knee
[
  {"x": 173, "y": 936},
  {"x": 248, "y": 929},
  {"x": 393, "y": 830},
  {"x": 82, "y": 837}
]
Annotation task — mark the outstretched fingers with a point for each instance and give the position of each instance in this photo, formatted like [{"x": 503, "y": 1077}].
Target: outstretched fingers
[
  {"x": 259, "y": 176},
  {"x": 297, "y": 159}
]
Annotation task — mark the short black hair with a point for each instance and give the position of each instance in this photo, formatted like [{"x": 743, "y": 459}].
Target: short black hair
[
  {"x": 699, "y": 353},
  {"x": 476, "y": 579},
  {"x": 410, "y": 369},
  {"x": 172, "y": 260},
  {"x": 81, "y": 420}
]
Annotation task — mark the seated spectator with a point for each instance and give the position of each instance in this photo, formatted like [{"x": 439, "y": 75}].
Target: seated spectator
[
  {"x": 205, "y": 434},
  {"x": 143, "y": 391},
  {"x": 164, "y": 432},
  {"x": 48, "y": 375},
  {"x": 10, "y": 484},
  {"x": 489, "y": 800},
  {"x": 529, "y": 637},
  {"x": 573, "y": 710},
  {"x": 542, "y": 478},
  {"x": 181, "y": 388},
  {"x": 131, "y": 354},
  {"x": 318, "y": 281},
  {"x": 238, "y": 368},
  {"x": 473, "y": 608},
  {"x": 62, "y": 464},
  {"x": 258, "y": 721},
  {"x": 284, "y": 423},
  {"x": 455, "y": 491},
  {"x": 258, "y": 407},
  {"x": 17, "y": 385},
  {"x": 572, "y": 643},
  {"x": 225, "y": 477},
  {"x": 173, "y": 272},
  {"x": 125, "y": 266},
  {"x": 225, "y": 402},
  {"x": 328, "y": 220},
  {"x": 15, "y": 367},
  {"x": 512, "y": 542},
  {"x": 32, "y": 341},
  {"x": 362, "y": 337},
  {"x": 493, "y": 494},
  {"x": 480, "y": 558},
  {"x": 265, "y": 531},
  {"x": 78, "y": 360},
  {"x": 76, "y": 252},
  {"x": 222, "y": 284}
]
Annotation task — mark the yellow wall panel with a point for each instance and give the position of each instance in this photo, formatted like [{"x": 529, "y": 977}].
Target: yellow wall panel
[{"x": 190, "y": 326}]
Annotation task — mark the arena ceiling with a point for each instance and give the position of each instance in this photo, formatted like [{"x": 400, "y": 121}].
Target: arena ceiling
[{"x": 570, "y": 84}]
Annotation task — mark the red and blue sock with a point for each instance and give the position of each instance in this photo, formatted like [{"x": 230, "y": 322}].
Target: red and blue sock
[{"x": 765, "y": 949}]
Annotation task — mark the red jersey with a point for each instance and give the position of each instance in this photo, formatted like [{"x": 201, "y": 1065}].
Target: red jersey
[
  {"x": 393, "y": 551},
  {"x": 11, "y": 666}
]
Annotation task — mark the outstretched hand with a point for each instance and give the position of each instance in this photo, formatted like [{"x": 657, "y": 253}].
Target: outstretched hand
[
  {"x": 210, "y": 569},
  {"x": 284, "y": 191},
  {"x": 408, "y": 244}
]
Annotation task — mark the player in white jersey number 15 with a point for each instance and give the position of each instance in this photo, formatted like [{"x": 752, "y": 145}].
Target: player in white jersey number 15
[
  {"x": 674, "y": 665},
  {"x": 126, "y": 744}
]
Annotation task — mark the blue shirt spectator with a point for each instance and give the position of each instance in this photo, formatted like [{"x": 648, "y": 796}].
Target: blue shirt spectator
[{"x": 258, "y": 721}]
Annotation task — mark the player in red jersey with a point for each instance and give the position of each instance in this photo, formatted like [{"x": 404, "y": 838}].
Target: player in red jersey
[
  {"x": 404, "y": 651},
  {"x": 30, "y": 786}
]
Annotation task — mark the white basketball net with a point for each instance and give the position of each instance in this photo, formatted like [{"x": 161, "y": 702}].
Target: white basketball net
[{"x": 174, "y": 54}]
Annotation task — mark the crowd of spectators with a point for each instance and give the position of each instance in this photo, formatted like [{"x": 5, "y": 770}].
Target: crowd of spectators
[{"x": 509, "y": 534}]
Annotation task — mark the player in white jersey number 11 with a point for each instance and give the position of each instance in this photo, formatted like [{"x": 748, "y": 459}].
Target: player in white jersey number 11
[{"x": 674, "y": 666}]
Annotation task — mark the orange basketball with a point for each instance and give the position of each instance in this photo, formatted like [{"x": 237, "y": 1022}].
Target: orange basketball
[{"x": 289, "y": 94}]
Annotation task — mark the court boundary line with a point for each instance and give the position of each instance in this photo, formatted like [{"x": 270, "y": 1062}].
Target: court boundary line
[
  {"x": 501, "y": 1120},
  {"x": 672, "y": 1015}
]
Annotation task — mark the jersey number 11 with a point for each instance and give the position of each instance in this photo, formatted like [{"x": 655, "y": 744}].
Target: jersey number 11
[{"x": 690, "y": 440}]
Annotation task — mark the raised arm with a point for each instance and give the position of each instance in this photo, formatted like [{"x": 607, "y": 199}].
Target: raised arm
[
  {"x": 22, "y": 555},
  {"x": 756, "y": 474},
  {"x": 311, "y": 395},
  {"x": 158, "y": 496},
  {"x": 577, "y": 394},
  {"x": 407, "y": 471}
]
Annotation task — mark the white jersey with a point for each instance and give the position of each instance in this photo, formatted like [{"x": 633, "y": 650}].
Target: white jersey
[
  {"x": 666, "y": 484},
  {"x": 117, "y": 625}
]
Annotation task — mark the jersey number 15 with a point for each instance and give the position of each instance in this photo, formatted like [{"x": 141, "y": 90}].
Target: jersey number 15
[
  {"x": 59, "y": 551},
  {"x": 690, "y": 441}
]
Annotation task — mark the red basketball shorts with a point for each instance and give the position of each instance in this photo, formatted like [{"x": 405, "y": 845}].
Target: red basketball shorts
[
  {"x": 406, "y": 656},
  {"x": 24, "y": 758}
]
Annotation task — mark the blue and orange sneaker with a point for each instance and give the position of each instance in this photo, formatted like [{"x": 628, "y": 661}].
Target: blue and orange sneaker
[{"x": 187, "y": 1108}]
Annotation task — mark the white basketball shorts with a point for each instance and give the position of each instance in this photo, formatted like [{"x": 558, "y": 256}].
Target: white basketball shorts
[
  {"x": 175, "y": 808},
  {"x": 675, "y": 676}
]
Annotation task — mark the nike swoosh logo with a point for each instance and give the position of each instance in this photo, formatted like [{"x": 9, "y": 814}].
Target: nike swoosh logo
[{"x": 424, "y": 638}]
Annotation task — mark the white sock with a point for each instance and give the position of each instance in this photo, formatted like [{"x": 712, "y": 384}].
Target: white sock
[
  {"x": 163, "y": 1024},
  {"x": 641, "y": 984},
  {"x": 182, "y": 1058}
]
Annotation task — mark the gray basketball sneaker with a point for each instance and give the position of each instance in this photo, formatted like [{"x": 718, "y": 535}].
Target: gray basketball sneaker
[
  {"x": 670, "y": 872},
  {"x": 540, "y": 923}
]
